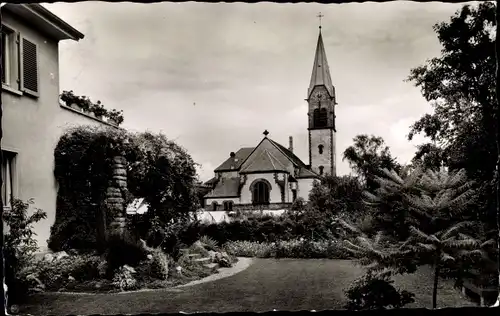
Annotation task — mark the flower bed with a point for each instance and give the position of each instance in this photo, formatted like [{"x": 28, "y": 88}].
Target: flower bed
[
  {"x": 288, "y": 249},
  {"x": 61, "y": 272}
]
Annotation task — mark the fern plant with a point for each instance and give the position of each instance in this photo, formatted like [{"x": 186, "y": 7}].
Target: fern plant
[
  {"x": 441, "y": 247},
  {"x": 438, "y": 230},
  {"x": 390, "y": 210},
  {"x": 209, "y": 243},
  {"x": 380, "y": 253}
]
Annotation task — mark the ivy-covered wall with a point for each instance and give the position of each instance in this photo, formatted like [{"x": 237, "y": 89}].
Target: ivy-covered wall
[
  {"x": 96, "y": 167},
  {"x": 83, "y": 168}
]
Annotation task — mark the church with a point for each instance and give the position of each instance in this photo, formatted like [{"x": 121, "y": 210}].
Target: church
[{"x": 270, "y": 176}]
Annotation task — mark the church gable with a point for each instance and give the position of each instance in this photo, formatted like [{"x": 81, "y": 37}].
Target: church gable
[
  {"x": 235, "y": 160},
  {"x": 263, "y": 163},
  {"x": 266, "y": 157}
]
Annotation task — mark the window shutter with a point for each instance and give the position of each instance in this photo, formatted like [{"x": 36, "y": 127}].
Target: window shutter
[{"x": 29, "y": 67}]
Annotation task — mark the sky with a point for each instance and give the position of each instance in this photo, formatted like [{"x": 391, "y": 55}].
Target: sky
[{"x": 213, "y": 76}]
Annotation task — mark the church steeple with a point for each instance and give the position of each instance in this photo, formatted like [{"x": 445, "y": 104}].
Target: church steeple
[
  {"x": 321, "y": 115},
  {"x": 321, "y": 72}
]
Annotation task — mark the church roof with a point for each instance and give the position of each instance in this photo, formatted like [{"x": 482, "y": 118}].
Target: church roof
[
  {"x": 321, "y": 72},
  {"x": 266, "y": 161},
  {"x": 211, "y": 181},
  {"x": 296, "y": 160},
  {"x": 234, "y": 163},
  {"x": 270, "y": 156},
  {"x": 226, "y": 187},
  {"x": 306, "y": 173}
]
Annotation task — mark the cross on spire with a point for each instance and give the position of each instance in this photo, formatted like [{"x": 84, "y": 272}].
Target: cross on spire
[
  {"x": 266, "y": 133},
  {"x": 320, "y": 16}
]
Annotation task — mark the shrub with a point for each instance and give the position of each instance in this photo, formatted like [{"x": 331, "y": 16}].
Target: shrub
[
  {"x": 250, "y": 249},
  {"x": 191, "y": 269},
  {"x": 209, "y": 243},
  {"x": 258, "y": 229},
  {"x": 19, "y": 247},
  {"x": 124, "y": 250},
  {"x": 287, "y": 249},
  {"x": 56, "y": 274},
  {"x": 102, "y": 268},
  {"x": 376, "y": 292},
  {"x": 367, "y": 224},
  {"x": 159, "y": 264},
  {"x": 223, "y": 260},
  {"x": 123, "y": 278}
]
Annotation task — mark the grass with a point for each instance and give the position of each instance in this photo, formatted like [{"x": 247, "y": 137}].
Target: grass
[
  {"x": 281, "y": 284},
  {"x": 421, "y": 284}
]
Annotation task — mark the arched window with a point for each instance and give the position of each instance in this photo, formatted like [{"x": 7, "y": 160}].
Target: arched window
[
  {"x": 228, "y": 205},
  {"x": 214, "y": 206},
  {"x": 320, "y": 149},
  {"x": 323, "y": 118},
  {"x": 321, "y": 170},
  {"x": 320, "y": 117},
  {"x": 260, "y": 193},
  {"x": 315, "y": 117}
]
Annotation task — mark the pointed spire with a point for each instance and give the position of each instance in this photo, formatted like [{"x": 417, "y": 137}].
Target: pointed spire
[{"x": 321, "y": 72}]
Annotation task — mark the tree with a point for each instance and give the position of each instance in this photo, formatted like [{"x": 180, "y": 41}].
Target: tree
[
  {"x": 367, "y": 156},
  {"x": 337, "y": 195},
  {"x": 460, "y": 84},
  {"x": 438, "y": 248},
  {"x": 165, "y": 175},
  {"x": 387, "y": 202},
  {"x": 437, "y": 201}
]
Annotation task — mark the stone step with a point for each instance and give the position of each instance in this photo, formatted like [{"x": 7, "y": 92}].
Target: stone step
[
  {"x": 210, "y": 265},
  {"x": 204, "y": 259}
]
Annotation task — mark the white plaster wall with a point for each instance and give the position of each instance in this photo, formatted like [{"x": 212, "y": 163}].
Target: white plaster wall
[
  {"x": 32, "y": 127},
  {"x": 290, "y": 193},
  {"x": 304, "y": 188},
  {"x": 229, "y": 174},
  {"x": 274, "y": 194},
  {"x": 213, "y": 217},
  {"x": 274, "y": 213},
  {"x": 220, "y": 201}
]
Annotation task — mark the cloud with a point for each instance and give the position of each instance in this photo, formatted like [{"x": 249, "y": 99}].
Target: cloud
[{"x": 213, "y": 76}]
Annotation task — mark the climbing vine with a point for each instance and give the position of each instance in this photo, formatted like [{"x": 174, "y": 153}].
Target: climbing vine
[
  {"x": 83, "y": 159},
  {"x": 158, "y": 170}
]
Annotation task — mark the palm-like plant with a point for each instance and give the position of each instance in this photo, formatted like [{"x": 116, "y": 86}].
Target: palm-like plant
[
  {"x": 378, "y": 253},
  {"x": 441, "y": 247},
  {"x": 441, "y": 235},
  {"x": 209, "y": 243},
  {"x": 391, "y": 183},
  {"x": 436, "y": 201},
  {"x": 388, "y": 200}
]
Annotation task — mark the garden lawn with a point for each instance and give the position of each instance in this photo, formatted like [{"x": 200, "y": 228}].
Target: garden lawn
[{"x": 281, "y": 284}]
